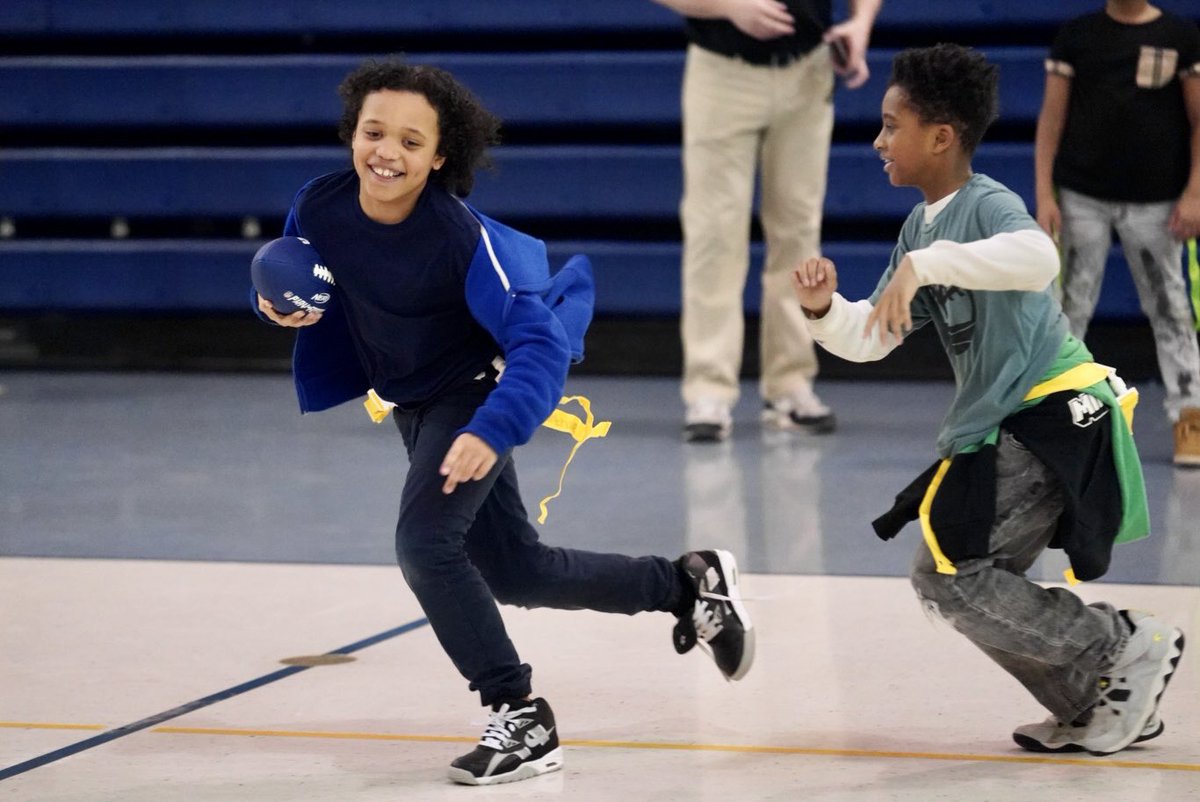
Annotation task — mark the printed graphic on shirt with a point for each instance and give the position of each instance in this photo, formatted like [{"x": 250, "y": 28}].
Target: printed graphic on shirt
[
  {"x": 958, "y": 310},
  {"x": 1156, "y": 66},
  {"x": 1086, "y": 410}
]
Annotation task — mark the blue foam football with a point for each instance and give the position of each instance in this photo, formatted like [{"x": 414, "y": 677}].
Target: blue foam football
[{"x": 289, "y": 273}]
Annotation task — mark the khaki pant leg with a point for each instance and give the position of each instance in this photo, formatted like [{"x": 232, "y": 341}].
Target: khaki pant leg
[
  {"x": 795, "y": 164},
  {"x": 725, "y": 102}
]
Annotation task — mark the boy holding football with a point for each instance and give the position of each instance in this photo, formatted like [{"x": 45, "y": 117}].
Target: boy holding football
[{"x": 444, "y": 315}]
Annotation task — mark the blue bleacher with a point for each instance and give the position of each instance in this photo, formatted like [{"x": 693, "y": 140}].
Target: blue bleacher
[
  {"x": 548, "y": 183},
  {"x": 236, "y": 17},
  {"x": 606, "y": 89},
  {"x": 525, "y": 89},
  {"x": 204, "y": 276}
]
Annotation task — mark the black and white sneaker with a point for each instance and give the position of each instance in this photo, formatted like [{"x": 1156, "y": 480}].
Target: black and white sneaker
[
  {"x": 519, "y": 742},
  {"x": 717, "y": 621},
  {"x": 707, "y": 421},
  {"x": 800, "y": 410}
]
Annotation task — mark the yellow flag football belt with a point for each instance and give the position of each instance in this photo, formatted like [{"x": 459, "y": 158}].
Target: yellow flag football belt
[{"x": 581, "y": 430}]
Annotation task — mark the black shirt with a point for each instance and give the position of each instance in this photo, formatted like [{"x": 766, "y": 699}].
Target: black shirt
[
  {"x": 1127, "y": 136},
  {"x": 722, "y": 36}
]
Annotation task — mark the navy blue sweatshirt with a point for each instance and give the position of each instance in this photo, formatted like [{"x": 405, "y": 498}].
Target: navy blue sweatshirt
[
  {"x": 428, "y": 305},
  {"x": 401, "y": 286}
]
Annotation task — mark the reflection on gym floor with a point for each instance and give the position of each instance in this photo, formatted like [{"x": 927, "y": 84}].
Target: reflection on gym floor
[{"x": 168, "y": 540}]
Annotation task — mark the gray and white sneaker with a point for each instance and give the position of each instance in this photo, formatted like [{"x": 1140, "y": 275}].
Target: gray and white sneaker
[
  {"x": 519, "y": 742},
  {"x": 800, "y": 410},
  {"x": 717, "y": 622},
  {"x": 1052, "y": 735},
  {"x": 1129, "y": 694},
  {"x": 707, "y": 420}
]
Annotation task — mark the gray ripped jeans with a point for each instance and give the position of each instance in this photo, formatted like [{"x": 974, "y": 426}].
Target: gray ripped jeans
[
  {"x": 1155, "y": 262},
  {"x": 1054, "y": 644}
]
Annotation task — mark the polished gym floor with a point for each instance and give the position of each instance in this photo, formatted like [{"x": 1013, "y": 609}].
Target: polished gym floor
[{"x": 198, "y": 602}]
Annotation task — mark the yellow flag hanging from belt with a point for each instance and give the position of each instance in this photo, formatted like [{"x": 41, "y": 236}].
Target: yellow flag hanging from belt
[{"x": 580, "y": 429}]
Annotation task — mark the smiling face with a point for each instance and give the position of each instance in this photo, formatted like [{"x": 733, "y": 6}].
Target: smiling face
[
  {"x": 906, "y": 144},
  {"x": 395, "y": 148}
]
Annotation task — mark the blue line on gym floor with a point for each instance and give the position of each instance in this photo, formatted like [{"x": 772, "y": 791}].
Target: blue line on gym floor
[{"x": 220, "y": 696}]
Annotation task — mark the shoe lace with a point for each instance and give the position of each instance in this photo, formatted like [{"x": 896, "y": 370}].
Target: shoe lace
[
  {"x": 501, "y": 725},
  {"x": 707, "y": 617}
]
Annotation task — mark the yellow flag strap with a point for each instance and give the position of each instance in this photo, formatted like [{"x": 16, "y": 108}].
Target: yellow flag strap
[
  {"x": 580, "y": 429},
  {"x": 1078, "y": 377},
  {"x": 943, "y": 563},
  {"x": 377, "y": 408},
  {"x": 1085, "y": 375}
]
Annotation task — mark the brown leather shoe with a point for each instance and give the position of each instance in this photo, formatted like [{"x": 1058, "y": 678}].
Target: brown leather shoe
[{"x": 1187, "y": 437}]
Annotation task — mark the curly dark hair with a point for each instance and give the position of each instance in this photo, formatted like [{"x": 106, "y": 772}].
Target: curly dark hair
[
  {"x": 465, "y": 128},
  {"x": 950, "y": 84}
]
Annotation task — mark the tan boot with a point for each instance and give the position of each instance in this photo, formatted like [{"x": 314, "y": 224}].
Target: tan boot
[{"x": 1187, "y": 437}]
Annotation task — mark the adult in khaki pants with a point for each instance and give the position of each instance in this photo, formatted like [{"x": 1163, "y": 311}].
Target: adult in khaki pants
[{"x": 757, "y": 97}]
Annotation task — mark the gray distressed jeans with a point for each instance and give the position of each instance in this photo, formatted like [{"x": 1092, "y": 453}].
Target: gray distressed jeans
[
  {"x": 1054, "y": 644},
  {"x": 1155, "y": 262}
]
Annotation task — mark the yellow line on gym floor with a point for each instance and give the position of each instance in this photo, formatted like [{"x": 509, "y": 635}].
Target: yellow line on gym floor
[{"x": 1093, "y": 762}]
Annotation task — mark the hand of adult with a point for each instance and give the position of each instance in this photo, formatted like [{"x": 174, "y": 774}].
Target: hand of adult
[
  {"x": 854, "y": 34},
  {"x": 762, "y": 19}
]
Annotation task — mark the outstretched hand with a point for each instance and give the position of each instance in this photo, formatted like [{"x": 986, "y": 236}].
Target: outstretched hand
[
  {"x": 893, "y": 311},
  {"x": 815, "y": 281},
  {"x": 469, "y": 457}
]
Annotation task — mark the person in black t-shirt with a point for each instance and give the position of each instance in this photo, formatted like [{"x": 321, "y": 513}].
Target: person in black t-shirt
[{"x": 1118, "y": 148}]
